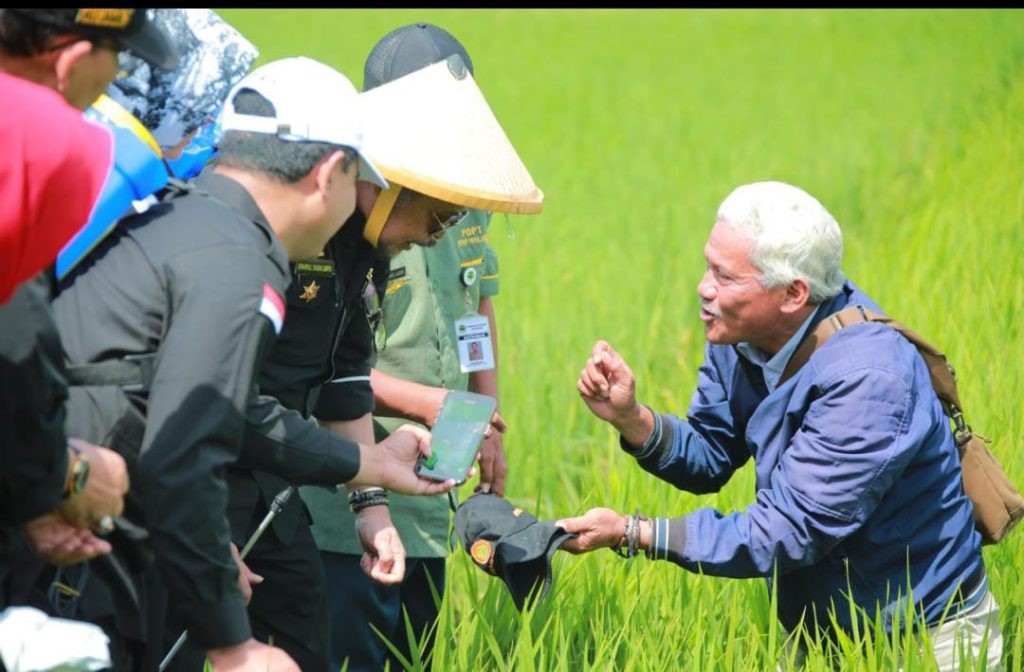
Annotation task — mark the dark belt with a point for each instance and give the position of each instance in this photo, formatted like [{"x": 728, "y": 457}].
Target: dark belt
[
  {"x": 132, "y": 373},
  {"x": 967, "y": 588},
  {"x": 965, "y": 591}
]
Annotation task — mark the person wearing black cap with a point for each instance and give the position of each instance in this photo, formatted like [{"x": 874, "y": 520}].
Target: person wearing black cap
[
  {"x": 74, "y": 51},
  {"x": 428, "y": 290}
]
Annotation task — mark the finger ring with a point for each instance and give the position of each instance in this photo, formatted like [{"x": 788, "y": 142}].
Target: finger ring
[{"x": 105, "y": 525}]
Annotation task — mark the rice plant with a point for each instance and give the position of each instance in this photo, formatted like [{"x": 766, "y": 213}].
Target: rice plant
[{"x": 637, "y": 123}]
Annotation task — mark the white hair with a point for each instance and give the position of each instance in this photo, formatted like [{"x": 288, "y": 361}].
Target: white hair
[{"x": 793, "y": 236}]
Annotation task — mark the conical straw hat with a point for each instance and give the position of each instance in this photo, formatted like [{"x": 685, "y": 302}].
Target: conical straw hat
[{"x": 433, "y": 131}]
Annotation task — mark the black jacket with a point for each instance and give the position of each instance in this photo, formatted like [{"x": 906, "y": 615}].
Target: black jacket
[
  {"x": 33, "y": 452},
  {"x": 194, "y": 280},
  {"x": 319, "y": 365}
]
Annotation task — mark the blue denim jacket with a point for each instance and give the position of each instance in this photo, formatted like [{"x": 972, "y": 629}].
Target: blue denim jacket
[{"x": 857, "y": 479}]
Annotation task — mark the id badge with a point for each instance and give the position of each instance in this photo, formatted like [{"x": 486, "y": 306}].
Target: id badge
[{"x": 474, "y": 339}]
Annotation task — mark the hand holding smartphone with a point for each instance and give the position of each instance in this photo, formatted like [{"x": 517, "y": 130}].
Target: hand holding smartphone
[{"x": 456, "y": 436}]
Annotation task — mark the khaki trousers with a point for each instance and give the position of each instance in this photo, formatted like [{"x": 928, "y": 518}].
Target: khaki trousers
[{"x": 958, "y": 639}]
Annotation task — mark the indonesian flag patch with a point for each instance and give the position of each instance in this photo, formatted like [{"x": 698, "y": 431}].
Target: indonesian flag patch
[{"x": 272, "y": 307}]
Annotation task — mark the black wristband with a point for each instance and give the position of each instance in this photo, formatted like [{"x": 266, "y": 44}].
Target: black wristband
[{"x": 364, "y": 499}]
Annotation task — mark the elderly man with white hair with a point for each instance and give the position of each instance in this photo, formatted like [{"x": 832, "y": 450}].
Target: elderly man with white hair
[{"x": 858, "y": 490}]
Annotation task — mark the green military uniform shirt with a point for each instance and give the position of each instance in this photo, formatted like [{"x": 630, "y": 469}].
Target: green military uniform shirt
[{"x": 425, "y": 295}]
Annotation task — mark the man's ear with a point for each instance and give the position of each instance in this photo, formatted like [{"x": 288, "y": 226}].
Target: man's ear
[
  {"x": 324, "y": 172},
  {"x": 65, "y": 60},
  {"x": 798, "y": 293},
  {"x": 366, "y": 196}
]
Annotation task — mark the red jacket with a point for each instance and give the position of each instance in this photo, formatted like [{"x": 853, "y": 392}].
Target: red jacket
[{"x": 53, "y": 163}]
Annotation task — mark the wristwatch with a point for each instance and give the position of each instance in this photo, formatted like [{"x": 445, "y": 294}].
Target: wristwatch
[{"x": 79, "y": 474}]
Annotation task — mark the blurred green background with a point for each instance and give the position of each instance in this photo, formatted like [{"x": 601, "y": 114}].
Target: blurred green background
[{"x": 905, "y": 124}]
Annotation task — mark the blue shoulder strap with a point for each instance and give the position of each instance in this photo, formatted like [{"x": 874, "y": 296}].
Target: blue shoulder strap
[
  {"x": 197, "y": 153},
  {"x": 136, "y": 174}
]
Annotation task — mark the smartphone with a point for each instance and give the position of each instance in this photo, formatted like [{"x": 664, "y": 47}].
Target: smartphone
[{"x": 456, "y": 436}]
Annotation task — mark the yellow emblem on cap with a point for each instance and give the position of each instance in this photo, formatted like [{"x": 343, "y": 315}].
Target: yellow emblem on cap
[
  {"x": 516, "y": 511},
  {"x": 309, "y": 292},
  {"x": 481, "y": 552},
  {"x": 104, "y": 18}
]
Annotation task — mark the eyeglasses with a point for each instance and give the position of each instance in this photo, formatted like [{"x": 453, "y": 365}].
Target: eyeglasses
[{"x": 448, "y": 222}]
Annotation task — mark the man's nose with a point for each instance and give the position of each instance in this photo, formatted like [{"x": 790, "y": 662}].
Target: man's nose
[{"x": 706, "y": 288}]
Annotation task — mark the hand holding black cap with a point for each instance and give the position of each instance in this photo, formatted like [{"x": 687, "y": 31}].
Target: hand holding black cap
[
  {"x": 509, "y": 543},
  {"x": 131, "y": 29}
]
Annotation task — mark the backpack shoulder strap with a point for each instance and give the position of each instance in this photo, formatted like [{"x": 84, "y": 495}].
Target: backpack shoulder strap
[
  {"x": 175, "y": 188},
  {"x": 942, "y": 374},
  {"x": 821, "y": 332}
]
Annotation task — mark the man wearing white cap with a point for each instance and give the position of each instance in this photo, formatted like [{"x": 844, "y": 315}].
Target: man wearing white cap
[
  {"x": 320, "y": 366},
  {"x": 178, "y": 308}
]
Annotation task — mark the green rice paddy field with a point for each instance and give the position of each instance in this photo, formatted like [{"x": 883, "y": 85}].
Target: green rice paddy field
[{"x": 907, "y": 125}]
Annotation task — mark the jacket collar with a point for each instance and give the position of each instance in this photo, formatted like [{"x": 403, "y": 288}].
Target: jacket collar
[{"x": 235, "y": 196}]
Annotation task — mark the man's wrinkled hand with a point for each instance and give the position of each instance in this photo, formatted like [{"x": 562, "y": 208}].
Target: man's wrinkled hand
[
  {"x": 56, "y": 541},
  {"x": 493, "y": 466},
  {"x": 498, "y": 423},
  {"x": 399, "y": 453},
  {"x": 246, "y": 577},
  {"x": 251, "y": 656},
  {"x": 607, "y": 385},
  {"x": 383, "y": 552},
  {"x": 104, "y": 490},
  {"x": 597, "y": 528}
]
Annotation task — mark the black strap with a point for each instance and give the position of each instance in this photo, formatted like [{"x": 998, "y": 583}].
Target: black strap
[{"x": 133, "y": 373}]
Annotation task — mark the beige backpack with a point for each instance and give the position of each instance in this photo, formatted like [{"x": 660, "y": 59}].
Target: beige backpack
[{"x": 998, "y": 506}]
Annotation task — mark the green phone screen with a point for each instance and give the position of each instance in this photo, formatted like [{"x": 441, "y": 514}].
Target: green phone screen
[{"x": 456, "y": 436}]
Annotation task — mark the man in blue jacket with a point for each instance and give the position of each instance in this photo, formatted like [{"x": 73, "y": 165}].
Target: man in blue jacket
[{"x": 857, "y": 475}]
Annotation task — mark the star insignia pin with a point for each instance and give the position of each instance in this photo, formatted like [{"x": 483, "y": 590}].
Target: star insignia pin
[{"x": 310, "y": 291}]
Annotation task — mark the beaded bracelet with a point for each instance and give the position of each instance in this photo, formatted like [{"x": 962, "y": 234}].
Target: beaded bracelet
[
  {"x": 631, "y": 537},
  {"x": 367, "y": 497}
]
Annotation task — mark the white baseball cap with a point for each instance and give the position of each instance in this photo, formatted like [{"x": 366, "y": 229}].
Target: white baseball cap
[{"x": 313, "y": 102}]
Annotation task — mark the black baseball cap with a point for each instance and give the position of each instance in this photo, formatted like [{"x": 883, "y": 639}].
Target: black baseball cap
[
  {"x": 131, "y": 29},
  {"x": 509, "y": 543},
  {"x": 408, "y": 49}
]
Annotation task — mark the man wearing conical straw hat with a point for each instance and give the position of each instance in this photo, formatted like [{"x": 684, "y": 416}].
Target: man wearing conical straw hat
[{"x": 436, "y": 307}]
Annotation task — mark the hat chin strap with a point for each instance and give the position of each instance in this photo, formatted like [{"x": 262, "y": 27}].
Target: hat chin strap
[{"x": 382, "y": 208}]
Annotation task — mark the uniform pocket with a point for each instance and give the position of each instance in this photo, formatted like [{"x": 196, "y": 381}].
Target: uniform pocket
[{"x": 397, "y": 297}]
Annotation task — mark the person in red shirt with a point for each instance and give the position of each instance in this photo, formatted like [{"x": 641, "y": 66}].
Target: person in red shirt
[
  {"x": 49, "y": 187},
  {"x": 52, "y": 167}
]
